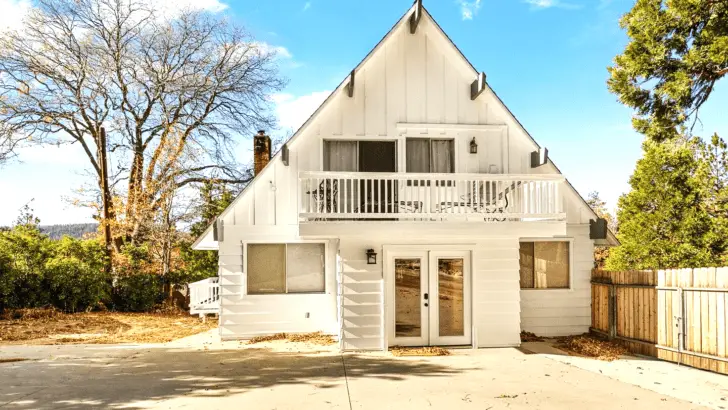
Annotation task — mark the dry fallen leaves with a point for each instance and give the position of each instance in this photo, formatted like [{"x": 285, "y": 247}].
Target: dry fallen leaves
[
  {"x": 47, "y": 326},
  {"x": 419, "y": 351},
  {"x": 317, "y": 338},
  {"x": 591, "y": 346},
  {"x": 530, "y": 337}
]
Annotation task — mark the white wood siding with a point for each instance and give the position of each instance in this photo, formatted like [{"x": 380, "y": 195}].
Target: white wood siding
[
  {"x": 408, "y": 79},
  {"x": 556, "y": 312},
  {"x": 243, "y": 316}
]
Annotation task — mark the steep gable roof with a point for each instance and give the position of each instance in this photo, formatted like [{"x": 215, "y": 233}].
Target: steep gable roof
[{"x": 401, "y": 24}]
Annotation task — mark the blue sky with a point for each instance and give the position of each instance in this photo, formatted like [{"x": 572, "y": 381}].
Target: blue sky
[{"x": 546, "y": 59}]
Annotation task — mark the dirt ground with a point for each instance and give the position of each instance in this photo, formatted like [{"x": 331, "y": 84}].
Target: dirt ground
[{"x": 48, "y": 327}]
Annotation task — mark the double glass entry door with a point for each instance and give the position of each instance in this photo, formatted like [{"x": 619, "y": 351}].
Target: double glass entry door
[{"x": 429, "y": 298}]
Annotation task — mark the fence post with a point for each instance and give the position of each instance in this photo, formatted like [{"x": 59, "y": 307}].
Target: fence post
[{"x": 612, "y": 310}]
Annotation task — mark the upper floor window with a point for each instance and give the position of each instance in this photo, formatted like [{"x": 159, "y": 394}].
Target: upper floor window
[
  {"x": 360, "y": 156},
  {"x": 430, "y": 155},
  {"x": 544, "y": 265}
]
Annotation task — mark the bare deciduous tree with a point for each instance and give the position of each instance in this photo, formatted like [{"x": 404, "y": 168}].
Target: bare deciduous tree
[{"x": 173, "y": 93}]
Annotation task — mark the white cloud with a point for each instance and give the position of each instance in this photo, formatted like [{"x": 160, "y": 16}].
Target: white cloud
[
  {"x": 293, "y": 111},
  {"x": 13, "y": 12},
  {"x": 468, "y": 9},
  {"x": 307, "y": 6},
  {"x": 171, "y": 8},
  {"x": 279, "y": 51},
  {"x": 545, "y": 4}
]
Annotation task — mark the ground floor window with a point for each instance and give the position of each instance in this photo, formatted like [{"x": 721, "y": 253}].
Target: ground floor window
[
  {"x": 544, "y": 265},
  {"x": 275, "y": 268}
]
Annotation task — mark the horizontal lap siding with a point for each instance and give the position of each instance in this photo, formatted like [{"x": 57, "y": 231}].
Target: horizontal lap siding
[
  {"x": 362, "y": 298},
  {"x": 563, "y": 312},
  {"x": 496, "y": 293},
  {"x": 244, "y": 316}
]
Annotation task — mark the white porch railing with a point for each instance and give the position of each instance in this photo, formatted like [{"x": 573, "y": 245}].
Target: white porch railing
[
  {"x": 339, "y": 196},
  {"x": 205, "y": 296}
]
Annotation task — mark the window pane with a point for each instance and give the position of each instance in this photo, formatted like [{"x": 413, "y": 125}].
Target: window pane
[
  {"x": 450, "y": 288},
  {"x": 340, "y": 156},
  {"x": 266, "y": 268},
  {"x": 526, "y": 262},
  {"x": 305, "y": 267},
  {"x": 443, "y": 156},
  {"x": 407, "y": 297},
  {"x": 551, "y": 264},
  {"x": 418, "y": 155}
]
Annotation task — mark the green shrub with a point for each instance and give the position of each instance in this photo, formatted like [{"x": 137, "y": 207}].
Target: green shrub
[
  {"x": 75, "y": 275},
  {"x": 24, "y": 251},
  {"x": 138, "y": 292}
]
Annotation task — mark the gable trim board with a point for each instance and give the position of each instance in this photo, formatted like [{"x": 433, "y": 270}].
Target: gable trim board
[{"x": 343, "y": 86}]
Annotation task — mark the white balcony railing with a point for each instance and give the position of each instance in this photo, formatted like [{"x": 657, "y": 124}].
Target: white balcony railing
[
  {"x": 205, "y": 296},
  {"x": 341, "y": 196}
]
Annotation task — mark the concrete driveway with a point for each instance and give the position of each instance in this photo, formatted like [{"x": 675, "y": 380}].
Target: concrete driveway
[{"x": 206, "y": 374}]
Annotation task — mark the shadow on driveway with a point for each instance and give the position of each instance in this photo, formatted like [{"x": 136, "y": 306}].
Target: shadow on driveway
[{"x": 141, "y": 379}]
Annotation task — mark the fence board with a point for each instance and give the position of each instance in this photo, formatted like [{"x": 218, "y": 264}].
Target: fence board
[{"x": 690, "y": 306}]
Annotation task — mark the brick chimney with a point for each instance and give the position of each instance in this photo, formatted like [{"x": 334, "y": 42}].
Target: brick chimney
[{"x": 261, "y": 151}]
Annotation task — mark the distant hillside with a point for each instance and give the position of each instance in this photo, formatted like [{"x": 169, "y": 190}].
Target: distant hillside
[{"x": 72, "y": 230}]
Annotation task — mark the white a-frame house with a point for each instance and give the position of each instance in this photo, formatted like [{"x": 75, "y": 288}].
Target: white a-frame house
[{"x": 412, "y": 208}]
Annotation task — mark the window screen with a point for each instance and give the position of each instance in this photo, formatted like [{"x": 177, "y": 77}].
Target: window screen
[
  {"x": 305, "y": 271},
  {"x": 266, "y": 268},
  {"x": 285, "y": 268},
  {"x": 544, "y": 265}
]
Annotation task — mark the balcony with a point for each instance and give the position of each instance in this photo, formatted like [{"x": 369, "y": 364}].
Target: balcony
[{"x": 359, "y": 196}]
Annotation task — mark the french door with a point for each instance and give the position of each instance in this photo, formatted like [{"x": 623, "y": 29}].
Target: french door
[{"x": 428, "y": 298}]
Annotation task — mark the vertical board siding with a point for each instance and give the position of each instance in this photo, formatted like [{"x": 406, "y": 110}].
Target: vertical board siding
[
  {"x": 674, "y": 314},
  {"x": 556, "y": 312},
  {"x": 411, "y": 79}
]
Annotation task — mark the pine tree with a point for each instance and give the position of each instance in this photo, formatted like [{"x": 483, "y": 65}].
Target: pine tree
[
  {"x": 204, "y": 264},
  {"x": 601, "y": 253},
  {"x": 677, "y": 52},
  {"x": 664, "y": 221}
]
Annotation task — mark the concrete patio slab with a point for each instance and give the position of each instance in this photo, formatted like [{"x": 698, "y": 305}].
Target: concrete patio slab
[{"x": 204, "y": 373}]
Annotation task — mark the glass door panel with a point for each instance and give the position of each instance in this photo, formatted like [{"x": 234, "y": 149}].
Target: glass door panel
[
  {"x": 450, "y": 288},
  {"x": 450, "y": 295},
  {"x": 408, "y": 294},
  {"x": 408, "y": 276}
]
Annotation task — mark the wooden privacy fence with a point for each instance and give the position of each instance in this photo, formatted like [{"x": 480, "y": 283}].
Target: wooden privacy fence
[{"x": 676, "y": 314}]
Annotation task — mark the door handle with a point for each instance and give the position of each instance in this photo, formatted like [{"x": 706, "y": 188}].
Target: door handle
[{"x": 426, "y": 299}]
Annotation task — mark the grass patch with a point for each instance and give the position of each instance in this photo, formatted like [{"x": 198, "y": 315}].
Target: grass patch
[
  {"x": 591, "y": 346},
  {"x": 419, "y": 351},
  {"x": 317, "y": 338},
  {"x": 530, "y": 337},
  {"x": 47, "y": 326}
]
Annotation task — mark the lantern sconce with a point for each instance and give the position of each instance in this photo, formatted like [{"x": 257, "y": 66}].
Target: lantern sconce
[
  {"x": 371, "y": 257},
  {"x": 473, "y": 146}
]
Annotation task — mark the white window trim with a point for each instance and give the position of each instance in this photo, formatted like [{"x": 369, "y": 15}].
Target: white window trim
[
  {"x": 400, "y": 148},
  {"x": 283, "y": 242},
  {"x": 570, "y": 240}
]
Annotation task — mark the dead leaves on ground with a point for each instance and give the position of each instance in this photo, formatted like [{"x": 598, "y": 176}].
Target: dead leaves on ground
[
  {"x": 530, "y": 337},
  {"x": 591, "y": 346},
  {"x": 419, "y": 351},
  {"x": 48, "y": 326},
  {"x": 316, "y": 338}
]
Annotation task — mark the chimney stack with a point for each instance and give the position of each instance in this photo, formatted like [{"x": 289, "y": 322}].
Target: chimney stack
[{"x": 261, "y": 151}]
